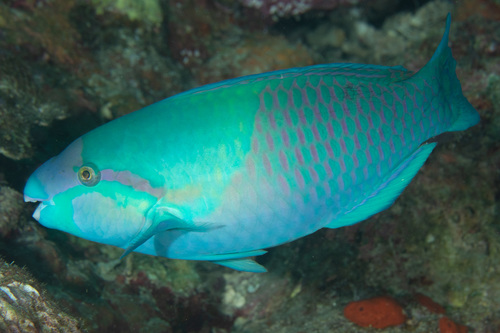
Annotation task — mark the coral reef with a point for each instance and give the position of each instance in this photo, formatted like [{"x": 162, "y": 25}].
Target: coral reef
[
  {"x": 22, "y": 105},
  {"x": 44, "y": 28},
  {"x": 26, "y": 307},
  {"x": 429, "y": 304},
  {"x": 281, "y": 8},
  {"x": 252, "y": 55},
  {"x": 378, "y": 312},
  {"x": 446, "y": 325},
  {"x": 11, "y": 211}
]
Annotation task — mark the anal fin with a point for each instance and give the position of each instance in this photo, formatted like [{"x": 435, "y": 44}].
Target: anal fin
[
  {"x": 239, "y": 261},
  {"x": 244, "y": 265},
  {"x": 388, "y": 191}
]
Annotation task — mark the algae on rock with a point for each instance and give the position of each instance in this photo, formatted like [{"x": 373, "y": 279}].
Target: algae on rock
[{"x": 147, "y": 11}]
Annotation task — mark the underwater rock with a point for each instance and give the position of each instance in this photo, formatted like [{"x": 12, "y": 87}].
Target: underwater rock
[
  {"x": 11, "y": 209},
  {"x": 252, "y": 55},
  {"x": 195, "y": 30},
  {"x": 25, "y": 306},
  {"x": 130, "y": 74},
  {"x": 42, "y": 29},
  {"x": 283, "y": 8},
  {"x": 147, "y": 11},
  {"x": 22, "y": 105}
]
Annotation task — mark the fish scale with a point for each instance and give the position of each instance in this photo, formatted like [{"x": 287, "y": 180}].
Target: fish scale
[{"x": 223, "y": 171}]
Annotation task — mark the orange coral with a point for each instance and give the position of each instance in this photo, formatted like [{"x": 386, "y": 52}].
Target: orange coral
[
  {"x": 378, "y": 312},
  {"x": 430, "y": 304},
  {"x": 446, "y": 325}
]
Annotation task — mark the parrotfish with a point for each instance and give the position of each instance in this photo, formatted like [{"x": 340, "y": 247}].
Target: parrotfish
[{"x": 224, "y": 171}]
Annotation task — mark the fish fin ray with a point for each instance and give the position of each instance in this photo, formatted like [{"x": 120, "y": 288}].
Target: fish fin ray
[
  {"x": 227, "y": 256},
  {"x": 388, "y": 191},
  {"x": 162, "y": 218},
  {"x": 441, "y": 69},
  {"x": 153, "y": 228},
  {"x": 239, "y": 261},
  {"x": 244, "y": 265}
]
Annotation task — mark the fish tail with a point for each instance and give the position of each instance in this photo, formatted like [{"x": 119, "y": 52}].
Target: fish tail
[{"x": 441, "y": 70}]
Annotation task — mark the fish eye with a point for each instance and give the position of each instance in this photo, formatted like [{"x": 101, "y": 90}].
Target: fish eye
[{"x": 89, "y": 175}]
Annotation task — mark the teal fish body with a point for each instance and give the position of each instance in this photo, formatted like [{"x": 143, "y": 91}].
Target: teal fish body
[{"x": 223, "y": 171}]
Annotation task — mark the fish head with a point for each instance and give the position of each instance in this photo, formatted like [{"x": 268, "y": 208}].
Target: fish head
[{"x": 75, "y": 198}]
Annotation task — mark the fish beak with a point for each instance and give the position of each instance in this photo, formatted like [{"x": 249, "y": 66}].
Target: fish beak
[
  {"x": 36, "y": 213},
  {"x": 28, "y": 199},
  {"x": 34, "y": 191}
]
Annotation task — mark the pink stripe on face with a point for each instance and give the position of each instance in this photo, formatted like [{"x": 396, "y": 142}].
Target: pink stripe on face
[{"x": 129, "y": 179}]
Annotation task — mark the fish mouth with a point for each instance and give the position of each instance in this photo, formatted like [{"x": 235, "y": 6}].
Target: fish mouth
[
  {"x": 41, "y": 206},
  {"x": 35, "y": 192},
  {"x": 30, "y": 199}
]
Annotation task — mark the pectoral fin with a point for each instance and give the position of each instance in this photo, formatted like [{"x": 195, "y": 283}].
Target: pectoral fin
[{"x": 160, "y": 218}]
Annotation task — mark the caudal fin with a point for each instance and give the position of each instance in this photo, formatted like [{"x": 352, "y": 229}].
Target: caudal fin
[{"x": 441, "y": 69}]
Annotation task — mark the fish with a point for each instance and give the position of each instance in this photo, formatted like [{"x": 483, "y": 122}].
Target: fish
[{"x": 224, "y": 171}]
